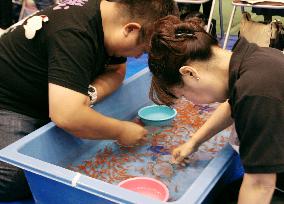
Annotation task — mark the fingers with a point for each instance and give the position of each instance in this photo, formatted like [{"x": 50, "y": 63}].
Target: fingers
[
  {"x": 138, "y": 142},
  {"x": 187, "y": 160},
  {"x": 123, "y": 145},
  {"x": 144, "y": 137},
  {"x": 138, "y": 122},
  {"x": 145, "y": 132},
  {"x": 177, "y": 158},
  {"x": 141, "y": 142}
]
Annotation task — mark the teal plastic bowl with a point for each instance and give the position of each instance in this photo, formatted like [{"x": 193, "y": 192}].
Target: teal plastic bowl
[{"x": 156, "y": 115}]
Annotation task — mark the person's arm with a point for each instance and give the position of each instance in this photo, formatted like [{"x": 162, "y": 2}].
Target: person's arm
[
  {"x": 71, "y": 64},
  {"x": 69, "y": 110},
  {"x": 219, "y": 120},
  {"x": 257, "y": 188},
  {"x": 109, "y": 81}
]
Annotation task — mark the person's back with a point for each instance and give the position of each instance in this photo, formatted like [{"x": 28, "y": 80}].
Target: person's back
[
  {"x": 49, "y": 61},
  {"x": 256, "y": 90},
  {"x": 257, "y": 76},
  {"x": 30, "y": 52}
]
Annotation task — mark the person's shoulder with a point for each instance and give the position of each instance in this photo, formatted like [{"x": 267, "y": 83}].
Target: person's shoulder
[
  {"x": 68, "y": 14},
  {"x": 240, "y": 44},
  {"x": 265, "y": 60},
  {"x": 268, "y": 53}
]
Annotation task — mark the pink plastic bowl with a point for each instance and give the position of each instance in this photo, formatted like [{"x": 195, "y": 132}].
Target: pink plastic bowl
[{"x": 147, "y": 186}]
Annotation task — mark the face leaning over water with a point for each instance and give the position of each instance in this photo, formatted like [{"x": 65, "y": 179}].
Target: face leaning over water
[{"x": 202, "y": 90}]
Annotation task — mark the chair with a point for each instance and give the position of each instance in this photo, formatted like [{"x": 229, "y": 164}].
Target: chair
[
  {"x": 242, "y": 4},
  {"x": 211, "y": 12}
]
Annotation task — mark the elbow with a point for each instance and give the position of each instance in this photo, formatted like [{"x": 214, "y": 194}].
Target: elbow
[
  {"x": 121, "y": 72},
  {"x": 61, "y": 121},
  {"x": 67, "y": 123},
  {"x": 120, "y": 78},
  {"x": 264, "y": 182}
]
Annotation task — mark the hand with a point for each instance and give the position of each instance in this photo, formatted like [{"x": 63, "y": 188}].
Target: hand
[
  {"x": 131, "y": 134},
  {"x": 181, "y": 153}
]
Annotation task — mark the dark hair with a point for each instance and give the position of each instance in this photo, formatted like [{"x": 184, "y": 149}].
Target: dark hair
[
  {"x": 147, "y": 12},
  {"x": 174, "y": 43}
]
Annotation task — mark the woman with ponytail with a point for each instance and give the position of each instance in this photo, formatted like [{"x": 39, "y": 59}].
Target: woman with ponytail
[{"x": 248, "y": 82}]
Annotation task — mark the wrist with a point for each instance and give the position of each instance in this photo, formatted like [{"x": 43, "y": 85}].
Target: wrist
[
  {"x": 193, "y": 143},
  {"x": 119, "y": 130}
]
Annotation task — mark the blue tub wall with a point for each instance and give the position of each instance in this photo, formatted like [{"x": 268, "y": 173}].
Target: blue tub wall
[
  {"x": 125, "y": 103},
  {"x": 49, "y": 147}
]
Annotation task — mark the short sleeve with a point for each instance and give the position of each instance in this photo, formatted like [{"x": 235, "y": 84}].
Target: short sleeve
[
  {"x": 259, "y": 122},
  {"x": 71, "y": 59}
]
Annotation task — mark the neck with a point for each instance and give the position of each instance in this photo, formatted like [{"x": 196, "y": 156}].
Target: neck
[
  {"x": 109, "y": 15},
  {"x": 220, "y": 64},
  {"x": 217, "y": 67},
  {"x": 220, "y": 60}
]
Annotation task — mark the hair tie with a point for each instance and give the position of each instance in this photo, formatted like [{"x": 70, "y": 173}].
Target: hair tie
[{"x": 179, "y": 35}]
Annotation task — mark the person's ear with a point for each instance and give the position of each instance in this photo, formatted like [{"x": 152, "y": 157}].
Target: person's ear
[
  {"x": 189, "y": 71},
  {"x": 130, "y": 28}
]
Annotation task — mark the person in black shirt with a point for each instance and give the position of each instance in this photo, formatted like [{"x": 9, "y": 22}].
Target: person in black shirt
[
  {"x": 186, "y": 61},
  {"x": 57, "y": 62}
]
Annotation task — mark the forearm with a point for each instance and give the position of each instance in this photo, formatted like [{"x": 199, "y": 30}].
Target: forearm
[
  {"x": 219, "y": 120},
  {"x": 257, "y": 189},
  {"x": 76, "y": 116},
  {"x": 86, "y": 123},
  {"x": 109, "y": 81}
]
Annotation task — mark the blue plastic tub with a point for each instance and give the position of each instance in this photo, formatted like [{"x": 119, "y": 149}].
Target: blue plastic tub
[{"x": 45, "y": 153}]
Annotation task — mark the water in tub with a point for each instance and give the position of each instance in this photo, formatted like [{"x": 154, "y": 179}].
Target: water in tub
[{"x": 112, "y": 163}]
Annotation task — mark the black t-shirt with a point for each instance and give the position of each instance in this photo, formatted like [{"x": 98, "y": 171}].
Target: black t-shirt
[
  {"x": 68, "y": 51},
  {"x": 256, "y": 86}
]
